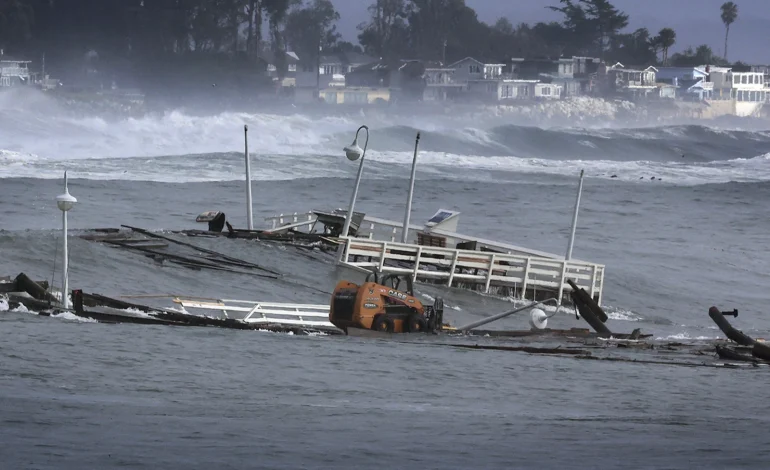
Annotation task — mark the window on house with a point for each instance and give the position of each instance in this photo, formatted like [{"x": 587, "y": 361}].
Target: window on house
[
  {"x": 356, "y": 97},
  {"x": 474, "y": 68},
  {"x": 330, "y": 97},
  {"x": 292, "y": 67}
]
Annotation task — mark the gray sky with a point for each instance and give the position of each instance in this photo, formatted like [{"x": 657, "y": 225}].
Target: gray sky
[{"x": 695, "y": 21}]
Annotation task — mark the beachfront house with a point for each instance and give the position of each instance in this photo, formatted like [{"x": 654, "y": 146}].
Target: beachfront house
[
  {"x": 690, "y": 83},
  {"x": 440, "y": 83},
  {"x": 560, "y": 72},
  {"x": 471, "y": 69},
  {"x": 739, "y": 93},
  {"x": 356, "y": 95},
  {"x": 13, "y": 72},
  {"x": 630, "y": 83},
  {"x": 271, "y": 61},
  {"x": 508, "y": 89}
]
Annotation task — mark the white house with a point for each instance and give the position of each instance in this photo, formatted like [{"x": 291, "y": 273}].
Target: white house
[
  {"x": 689, "y": 82},
  {"x": 511, "y": 89},
  {"x": 440, "y": 84},
  {"x": 632, "y": 83},
  {"x": 471, "y": 69},
  {"x": 745, "y": 91},
  {"x": 13, "y": 72}
]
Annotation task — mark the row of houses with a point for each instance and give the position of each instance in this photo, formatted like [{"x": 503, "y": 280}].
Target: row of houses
[{"x": 353, "y": 78}]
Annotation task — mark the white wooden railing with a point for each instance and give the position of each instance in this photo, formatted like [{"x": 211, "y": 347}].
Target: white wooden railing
[
  {"x": 488, "y": 268},
  {"x": 288, "y": 219},
  {"x": 264, "y": 312}
]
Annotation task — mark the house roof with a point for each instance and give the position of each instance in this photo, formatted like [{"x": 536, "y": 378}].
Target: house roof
[
  {"x": 269, "y": 57},
  {"x": 620, "y": 66},
  {"x": 347, "y": 58},
  {"x": 5, "y": 58},
  {"x": 452, "y": 65}
]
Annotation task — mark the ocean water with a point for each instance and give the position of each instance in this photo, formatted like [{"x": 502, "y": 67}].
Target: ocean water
[{"x": 77, "y": 394}]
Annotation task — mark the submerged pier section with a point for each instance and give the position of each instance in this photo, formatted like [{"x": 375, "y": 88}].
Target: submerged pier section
[{"x": 436, "y": 253}]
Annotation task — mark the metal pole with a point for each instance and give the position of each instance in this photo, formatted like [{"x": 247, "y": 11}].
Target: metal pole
[
  {"x": 349, "y": 217},
  {"x": 486, "y": 320},
  {"x": 407, "y": 214},
  {"x": 249, "y": 215},
  {"x": 574, "y": 218},
  {"x": 65, "y": 301}
]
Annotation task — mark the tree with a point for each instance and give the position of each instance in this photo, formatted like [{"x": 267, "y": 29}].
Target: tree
[
  {"x": 592, "y": 23},
  {"x": 666, "y": 38},
  {"x": 16, "y": 21},
  {"x": 729, "y": 15},
  {"x": 636, "y": 48},
  {"x": 311, "y": 28},
  {"x": 444, "y": 29},
  {"x": 702, "y": 55},
  {"x": 385, "y": 35}
]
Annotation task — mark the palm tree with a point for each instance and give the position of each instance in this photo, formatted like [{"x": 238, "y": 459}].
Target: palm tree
[
  {"x": 666, "y": 39},
  {"x": 729, "y": 15}
]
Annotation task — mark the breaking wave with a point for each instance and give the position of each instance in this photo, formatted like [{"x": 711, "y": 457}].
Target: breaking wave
[{"x": 39, "y": 138}]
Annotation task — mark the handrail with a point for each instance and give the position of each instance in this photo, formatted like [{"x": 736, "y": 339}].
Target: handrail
[{"x": 483, "y": 268}]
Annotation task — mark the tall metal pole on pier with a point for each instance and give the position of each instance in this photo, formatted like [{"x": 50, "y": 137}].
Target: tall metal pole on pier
[
  {"x": 249, "y": 215},
  {"x": 574, "y": 218},
  {"x": 354, "y": 152},
  {"x": 407, "y": 214},
  {"x": 65, "y": 202}
]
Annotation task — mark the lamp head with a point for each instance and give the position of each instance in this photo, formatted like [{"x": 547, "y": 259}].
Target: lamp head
[
  {"x": 353, "y": 151},
  {"x": 65, "y": 201}
]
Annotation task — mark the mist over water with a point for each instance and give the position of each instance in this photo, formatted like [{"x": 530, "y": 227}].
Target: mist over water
[{"x": 39, "y": 137}]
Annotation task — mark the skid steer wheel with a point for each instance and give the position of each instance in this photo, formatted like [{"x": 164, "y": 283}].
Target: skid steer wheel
[
  {"x": 383, "y": 324},
  {"x": 415, "y": 323}
]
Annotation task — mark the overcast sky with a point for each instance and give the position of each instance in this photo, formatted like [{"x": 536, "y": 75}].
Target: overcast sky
[{"x": 695, "y": 21}]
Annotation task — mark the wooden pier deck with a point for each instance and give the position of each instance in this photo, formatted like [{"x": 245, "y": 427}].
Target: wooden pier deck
[{"x": 441, "y": 256}]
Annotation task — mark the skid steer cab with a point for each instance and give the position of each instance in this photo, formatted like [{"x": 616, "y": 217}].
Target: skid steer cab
[{"x": 387, "y": 305}]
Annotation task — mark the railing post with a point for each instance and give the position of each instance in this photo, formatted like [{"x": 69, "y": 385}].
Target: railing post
[
  {"x": 593, "y": 281},
  {"x": 524, "y": 279},
  {"x": 280, "y": 219},
  {"x": 601, "y": 288},
  {"x": 416, "y": 263},
  {"x": 383, "y": 255},
  {"x": 453, "y": 267},
  {"x": 561, "y": 280},
  {"x": 489, "y": 272}
]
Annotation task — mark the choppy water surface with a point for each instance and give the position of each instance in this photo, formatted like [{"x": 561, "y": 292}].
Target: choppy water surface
[{"x": 88, "y": 395}]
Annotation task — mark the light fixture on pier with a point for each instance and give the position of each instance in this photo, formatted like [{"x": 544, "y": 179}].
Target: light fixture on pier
[
  {"x": 354, "y": 152},
  {"x": 65, "y": 202}
]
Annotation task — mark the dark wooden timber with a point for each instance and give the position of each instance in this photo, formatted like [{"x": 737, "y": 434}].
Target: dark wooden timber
[
  {"x": 761, "y": 350},
  {"x": 10, "y": 285},
  {"x": 526, "y": 349},
  {"x": 224, "y": 258},
  {"x": 25, "y": 284},
  {"x": 726, "y": 352},
  {"x": 587, "y": 312},
  {"x": 586, "y": 299},
  {"x": 732, "y": 333}
]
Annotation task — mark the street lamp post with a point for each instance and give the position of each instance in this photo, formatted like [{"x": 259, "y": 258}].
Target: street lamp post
[
  {"x": 574, "y": 219},
  {"x": 407, "y": 214},
  {"x": 249, "y": 217},
  {"x": 354, "y": 152},
  {"x": 65, "y": 202}
]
